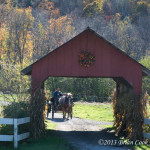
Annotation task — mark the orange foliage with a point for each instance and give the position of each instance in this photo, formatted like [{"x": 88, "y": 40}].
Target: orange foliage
[
  {"x": 61, "y": 28},
  {"x": 49, "y": 6}
]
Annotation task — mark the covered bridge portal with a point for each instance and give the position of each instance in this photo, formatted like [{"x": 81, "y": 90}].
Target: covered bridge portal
[
  {"x": 90, "y": 55},
  {"x": 69, "y": 60}
]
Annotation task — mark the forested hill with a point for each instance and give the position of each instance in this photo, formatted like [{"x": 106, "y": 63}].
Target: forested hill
[{"x": 30, "y": 29}]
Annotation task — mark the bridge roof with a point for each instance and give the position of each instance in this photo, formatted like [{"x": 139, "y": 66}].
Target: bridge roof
[{"x": 28, "y": 69}]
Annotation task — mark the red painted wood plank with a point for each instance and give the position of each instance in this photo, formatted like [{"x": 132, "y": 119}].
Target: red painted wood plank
[{"x": 110, "y": 62}]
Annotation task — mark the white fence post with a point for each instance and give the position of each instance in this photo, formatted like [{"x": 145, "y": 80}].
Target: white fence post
[
  {"x": 14, "y": 137},
  {"x": 15, "y": 134}
]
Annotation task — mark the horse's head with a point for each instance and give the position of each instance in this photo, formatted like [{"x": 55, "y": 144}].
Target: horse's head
[{"x": 69, "y": 97}]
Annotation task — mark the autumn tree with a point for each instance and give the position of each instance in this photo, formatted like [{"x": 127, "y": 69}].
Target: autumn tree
[
  {"x": 50, "y": 7},
  {"x": 146, "y": 80},
  {"x": 47, "y": 37},
  {"x": 92, "y": 7},
  {"x": 5, "y": 10},
  {"x": 61, "y": 30},
  {"x": 42, "y": 41},
  {"x": 18, "y": 46},
  {"x": 125, "y": 36}
]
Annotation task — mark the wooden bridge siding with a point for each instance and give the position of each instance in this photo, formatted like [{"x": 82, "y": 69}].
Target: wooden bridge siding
[{"x": 110, "y": 62}]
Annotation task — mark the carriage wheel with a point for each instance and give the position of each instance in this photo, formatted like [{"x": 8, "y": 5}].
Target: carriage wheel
[
  {"x": 47, "y": 113},
  {"x": 48, "y": 110},
  {"x": 71, "y": 114},
  {"x": 52, "y": 111},
  {"x": 63, "y": 117}
]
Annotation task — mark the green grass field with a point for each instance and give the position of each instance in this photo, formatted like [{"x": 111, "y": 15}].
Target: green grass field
[
  {"x": 97, "y": 112},
  {"x": 142, "y": 147},
  {"x": 50, "y": 141}
]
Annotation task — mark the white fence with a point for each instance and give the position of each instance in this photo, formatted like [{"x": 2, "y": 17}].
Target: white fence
[
  {"x": 16, "y": 122},
  {"x": 146, "y": 135},
  {"x": 15, "y": 137}
]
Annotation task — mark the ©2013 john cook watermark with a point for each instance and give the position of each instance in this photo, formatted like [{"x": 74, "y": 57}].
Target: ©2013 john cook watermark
[{"x": 122, "y": 142}]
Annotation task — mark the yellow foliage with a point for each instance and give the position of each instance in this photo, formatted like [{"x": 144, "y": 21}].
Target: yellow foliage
[
  {"x": 61, "y": 27},
  {"x": 142, "y": 2},
  {"x": 100, "y": 4},
  {"x": 91, "y": 7},
  {"x": 16, "y": 41}
]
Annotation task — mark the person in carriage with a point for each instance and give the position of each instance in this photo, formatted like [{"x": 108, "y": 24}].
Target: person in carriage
[
  {"x": 62, "y": 102},
  {"x": 57, "y": 94}
]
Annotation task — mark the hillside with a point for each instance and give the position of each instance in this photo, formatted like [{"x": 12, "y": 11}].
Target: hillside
[{"x": 31, "y": 29}]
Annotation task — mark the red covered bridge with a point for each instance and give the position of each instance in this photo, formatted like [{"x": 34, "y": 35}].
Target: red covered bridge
[
  {"x": 109, "y": 62},
  {"x": 89, "y": 55}
]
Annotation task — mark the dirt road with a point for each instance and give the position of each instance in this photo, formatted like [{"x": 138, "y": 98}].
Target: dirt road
[{"x": 87, "y": 134}]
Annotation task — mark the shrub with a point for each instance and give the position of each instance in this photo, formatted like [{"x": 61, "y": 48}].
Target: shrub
[{"x": 15, "y": 110}]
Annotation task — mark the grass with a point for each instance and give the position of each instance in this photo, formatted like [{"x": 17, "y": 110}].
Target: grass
[
  {"x": 101, "y": 112},
  {"x": 105, "y": 126},
  {"x": 50, "y": 141},
  {"x": 50, "y": 125},
  {"x": 97, "y": 112},
  {"x": 142, "y": 147},
  {"x": 136, "y": 145}
]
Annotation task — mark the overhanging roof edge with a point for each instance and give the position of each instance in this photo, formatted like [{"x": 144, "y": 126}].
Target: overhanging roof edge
[{"x": 28, "y": 69}]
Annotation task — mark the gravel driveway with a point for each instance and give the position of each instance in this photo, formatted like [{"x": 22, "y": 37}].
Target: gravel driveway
[{"x": 84, "y": 134}]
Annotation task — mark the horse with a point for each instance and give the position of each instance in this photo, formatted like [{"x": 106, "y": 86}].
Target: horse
[{"x": 66, "y": 103}]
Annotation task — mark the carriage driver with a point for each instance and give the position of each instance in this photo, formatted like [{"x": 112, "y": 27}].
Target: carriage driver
[{"x": 57, "y": 95}]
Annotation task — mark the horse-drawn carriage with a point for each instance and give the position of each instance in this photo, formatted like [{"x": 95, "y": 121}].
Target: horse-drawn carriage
[{"x": 64, "y": 104}]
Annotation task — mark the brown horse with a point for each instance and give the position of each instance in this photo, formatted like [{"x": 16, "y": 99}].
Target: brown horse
[{"x": 66, "y": 102}]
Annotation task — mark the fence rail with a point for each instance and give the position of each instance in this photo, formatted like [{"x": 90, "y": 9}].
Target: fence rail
[
  {"x": 146, "y": 135},
  {"x": 16, "y": 122},
  {"x": 15, "y": 137}
]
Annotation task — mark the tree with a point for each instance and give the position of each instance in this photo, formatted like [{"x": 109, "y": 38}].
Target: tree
[
  {"x": 5, "y": 10},
  {"x": 12, "y": 82},
  {"x": 61, "y": 30},
  {"x": 42, "y": 43},
  {"x": 140, "y": 9},
  {"x": 18, "y": 33},
  {"x": 92, "y": 7},
  {"x": 146, "y": 80},
  {"x": 82, "y": 88},
  {"x": 125, "y": 36},
  {"x": 49, "y": 6}
]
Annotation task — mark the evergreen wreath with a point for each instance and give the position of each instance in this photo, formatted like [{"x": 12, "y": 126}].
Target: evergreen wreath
[{"x": 86, "y": 58}]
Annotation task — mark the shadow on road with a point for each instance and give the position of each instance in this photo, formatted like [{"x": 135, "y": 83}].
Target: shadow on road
[
  {"x": 56, "y": 119},
  {"x": 104, "y": 139},
  {"x": 88, "y": 134}
]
